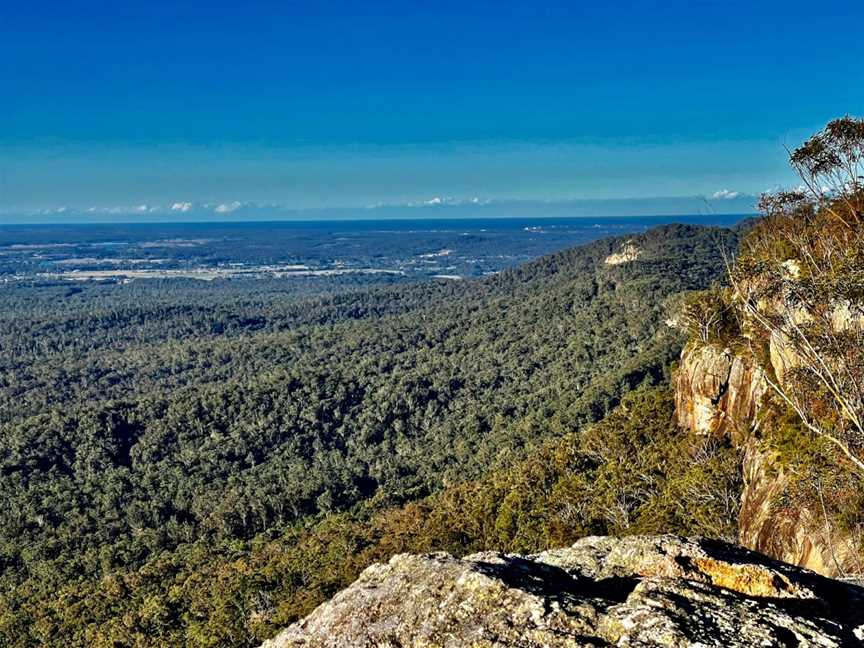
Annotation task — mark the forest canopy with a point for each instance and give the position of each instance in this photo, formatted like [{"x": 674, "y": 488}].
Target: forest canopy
[{"x": 153, "y": 434}]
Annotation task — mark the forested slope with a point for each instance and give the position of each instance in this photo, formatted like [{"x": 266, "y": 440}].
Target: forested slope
[{"x": 151, "y": 436}]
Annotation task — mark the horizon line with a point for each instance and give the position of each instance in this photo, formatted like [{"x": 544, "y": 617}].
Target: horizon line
[{"x": 165, "y": 220}]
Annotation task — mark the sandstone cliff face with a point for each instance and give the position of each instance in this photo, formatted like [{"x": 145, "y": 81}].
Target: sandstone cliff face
[
  {"x": 638, "y": 591},
  {"x": 797, "y": 535},
  {"x": 719, "y": 392},
  {"x": 628, "y": 252}
]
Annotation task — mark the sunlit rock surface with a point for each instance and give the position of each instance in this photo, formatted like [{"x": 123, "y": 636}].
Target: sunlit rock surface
[
  {"x": 628, "y": 252},
  {"x": 718, "y": 392},
  {"x": 637, "y": 591}
]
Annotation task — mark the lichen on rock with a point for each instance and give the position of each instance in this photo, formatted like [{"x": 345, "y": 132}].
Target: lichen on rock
[{"x": 637, "y": 591}]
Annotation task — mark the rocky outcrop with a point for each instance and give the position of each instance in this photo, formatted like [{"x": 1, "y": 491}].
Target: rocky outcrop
[
  {"x": 718, "y": 392},
  {"x": 800, "y": 534},
  {"x": 638, "y": 591},
  {"x": 629, "y": 252}
]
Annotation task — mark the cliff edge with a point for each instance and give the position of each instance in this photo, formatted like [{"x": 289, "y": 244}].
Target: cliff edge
[
  {"x": 719, "y": 392},
  {"x": 602, "y": 591}
]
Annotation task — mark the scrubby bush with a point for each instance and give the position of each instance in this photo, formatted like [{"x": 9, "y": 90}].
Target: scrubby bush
[
  {"x": 799, "y": 284},
  {"x": 709, "y": 316}
]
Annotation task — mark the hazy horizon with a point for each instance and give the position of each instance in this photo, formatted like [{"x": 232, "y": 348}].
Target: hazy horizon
[
  {"x": 435, "y": 208},
  {"x": 193, "y": 107}
]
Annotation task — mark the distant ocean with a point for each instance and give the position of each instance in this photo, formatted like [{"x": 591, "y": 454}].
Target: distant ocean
[
  {"x": 431, "y": 247},
  {"x": 620, "y": 223}
]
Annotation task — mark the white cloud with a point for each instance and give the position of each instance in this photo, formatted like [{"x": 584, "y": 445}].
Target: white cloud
[
  {"x": 182, "y": 206},
  {"x": 725, "y": 194},
  {"x": 435, "y": 201},
  {"x": 121, "y": 209},
  {"x": 451, "y": 200},
  {"x": 53, "y": 210},
  {"x": 227, "y": 208}
]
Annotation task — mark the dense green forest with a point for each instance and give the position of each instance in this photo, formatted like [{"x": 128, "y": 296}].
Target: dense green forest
[{"x": 195, "y": 465}]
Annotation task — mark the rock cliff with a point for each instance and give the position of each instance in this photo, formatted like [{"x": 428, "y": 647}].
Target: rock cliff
[
  {"x": 637, "y": 591},
  {"x": 719, "y": 392},
  {"x": 628, "y": 252},
  {"x": 725, "y": 392}
]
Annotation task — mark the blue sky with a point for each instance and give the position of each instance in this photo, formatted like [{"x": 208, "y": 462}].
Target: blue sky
[{"x": 305, "y": 105}]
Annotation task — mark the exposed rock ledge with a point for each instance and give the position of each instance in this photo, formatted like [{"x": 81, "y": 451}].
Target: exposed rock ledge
[
  {"x": 720, "y": 393},
  {"x": 637, "y": 591},
  {"x": 628, "y": 253}
]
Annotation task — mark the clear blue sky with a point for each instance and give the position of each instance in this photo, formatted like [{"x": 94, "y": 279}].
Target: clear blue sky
[{"x": 111, "y": 105}]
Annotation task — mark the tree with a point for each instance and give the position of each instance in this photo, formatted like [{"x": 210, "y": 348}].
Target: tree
[
  {"x": 800, "y": 282},
  {"x": 830, "y": 164}
]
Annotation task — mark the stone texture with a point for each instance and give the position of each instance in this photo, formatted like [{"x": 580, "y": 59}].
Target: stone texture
[
  {"x": 720, "y": 393},
  {"x": 640, "y": 591},
  {"x": 846, "y": 316},
  {"x": 784, "y": 357},
  {"x": 796, "y": 535}
]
